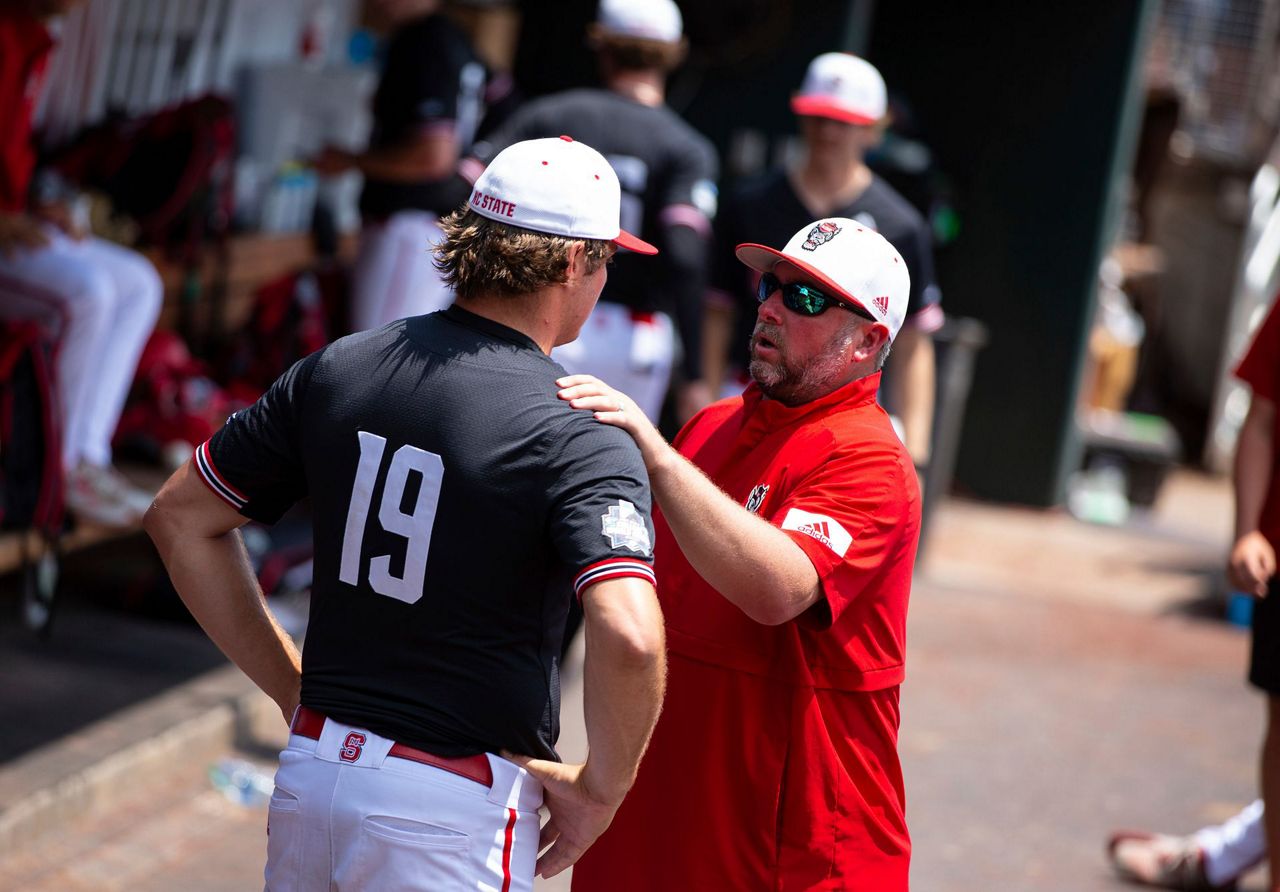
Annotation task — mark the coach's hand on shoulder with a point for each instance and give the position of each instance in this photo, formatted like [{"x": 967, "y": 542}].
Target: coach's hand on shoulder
[
  {"x": 577, "y": 814},
  {"x": 616, "y": 408}
]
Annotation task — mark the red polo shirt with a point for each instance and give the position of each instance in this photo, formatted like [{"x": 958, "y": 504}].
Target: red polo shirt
[
  {"x": 774, "y": 764},
  {"x": 1260, "y": 369},
  {"x": 24, "y": 53}
]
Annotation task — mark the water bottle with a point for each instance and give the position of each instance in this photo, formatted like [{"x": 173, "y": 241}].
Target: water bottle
[
  {"x": 242, "y": 782},
  {"x": 1240, "y": 609}
]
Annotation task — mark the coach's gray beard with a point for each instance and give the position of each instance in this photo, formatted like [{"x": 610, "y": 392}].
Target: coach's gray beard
[{"x": 792, "y": 385}]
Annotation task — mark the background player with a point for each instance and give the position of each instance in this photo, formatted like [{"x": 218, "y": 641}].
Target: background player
[
  {"x": 841, "y": 107},
  {"x": 668, "y": 172},
  {"x": 1214, "y": 857},
  {"x": 101, "y": 299},
  {"x": 457, "y": 506},
  {"x": 785, "y": 573},
  {"x": 430, "y": 100}
]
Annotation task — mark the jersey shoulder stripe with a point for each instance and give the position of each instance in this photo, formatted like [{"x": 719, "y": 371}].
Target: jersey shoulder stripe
[
  {"x": 613, "y": 568},
  {"x": 215, "y": 481}
]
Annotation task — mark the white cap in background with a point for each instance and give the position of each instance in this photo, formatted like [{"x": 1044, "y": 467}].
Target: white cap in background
[
  {"x": 641, "y": 19},
  {"x": 843, "y": 87}
]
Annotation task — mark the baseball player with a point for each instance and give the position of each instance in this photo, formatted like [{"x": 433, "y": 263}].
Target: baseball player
[
  {"x": 100, "y": 299},
  {"x": 458, "y": 507},
  {"x": 788, "y": 524},
  {"x": 429, "y": 102},
  {"x": 841, "y": 108},
  {"x": 668, "y": 172},
  {"x": 1215, "y": 857}
]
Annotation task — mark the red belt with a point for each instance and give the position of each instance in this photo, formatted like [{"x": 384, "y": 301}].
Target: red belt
[{"x": 309, "y": 723}]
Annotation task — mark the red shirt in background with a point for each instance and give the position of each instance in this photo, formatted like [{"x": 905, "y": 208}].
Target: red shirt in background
[
  {"x": 774, "y": 764},
  {"x": 1260, "y": 369},
  {"x": 25, "y": 43}
]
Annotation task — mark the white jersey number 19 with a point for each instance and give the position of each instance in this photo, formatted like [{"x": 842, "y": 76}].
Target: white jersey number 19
[{"x": 415, "y": 526}]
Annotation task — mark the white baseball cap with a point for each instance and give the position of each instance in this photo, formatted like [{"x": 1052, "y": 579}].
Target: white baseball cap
[
  {"x": 847, "y": 260},
  {"x": 557, "y": 186},
  {"x": 843, "y": 87},
  {"x": 643, "y": 19}
]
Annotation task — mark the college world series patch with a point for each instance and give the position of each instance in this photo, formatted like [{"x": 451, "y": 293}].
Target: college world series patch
[{"x": 625, "y": 528}]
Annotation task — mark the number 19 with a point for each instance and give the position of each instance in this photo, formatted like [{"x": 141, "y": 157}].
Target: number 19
[{"x": 415, "y": 526}]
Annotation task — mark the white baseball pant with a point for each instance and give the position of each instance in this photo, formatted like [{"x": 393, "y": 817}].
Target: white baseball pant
[
  {"x": 632, "y": 352},
  {"x": 104, "y": 301},
  {"x": 346, "y": 815},
  {"x": 394, "y": 277}
]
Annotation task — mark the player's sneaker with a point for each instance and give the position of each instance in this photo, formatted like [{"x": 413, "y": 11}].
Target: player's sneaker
[
  {"x": 1169, "y": 862},
  {"x": 101, "y": 495}
]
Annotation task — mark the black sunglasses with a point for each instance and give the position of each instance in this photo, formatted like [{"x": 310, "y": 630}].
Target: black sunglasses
[{"x": 804, "y": 299}]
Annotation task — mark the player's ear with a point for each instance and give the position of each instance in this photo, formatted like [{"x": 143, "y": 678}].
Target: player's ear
[{"x": 575, "y": 265}]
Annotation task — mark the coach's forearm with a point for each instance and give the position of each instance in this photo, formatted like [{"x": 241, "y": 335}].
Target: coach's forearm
[
  {"x": 748, "y": 560},
  {"x": 624, "y": 680}
]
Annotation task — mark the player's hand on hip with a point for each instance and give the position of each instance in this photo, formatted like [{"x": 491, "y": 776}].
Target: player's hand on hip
[
  {"x": 616, "y": 408},
  {"x": 1252, "y": 564},
  {"x": 577, "y": 816}
]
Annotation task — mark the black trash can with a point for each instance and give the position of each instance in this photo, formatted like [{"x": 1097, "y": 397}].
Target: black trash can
[{"x": 956, "y": 345}]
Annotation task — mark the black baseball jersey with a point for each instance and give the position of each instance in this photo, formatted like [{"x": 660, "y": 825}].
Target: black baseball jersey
[
  {"x": 667, "y": 171},
  {"x": 431, "y": 78},
  {"x": 767, "y": 211},
  {"x": 457, "y": 504}
]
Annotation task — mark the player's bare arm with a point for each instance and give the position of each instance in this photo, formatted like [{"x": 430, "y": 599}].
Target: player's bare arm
[
  {"x": 1253, "y": 560},
  {"x": 197, "y": 535},
  {"x": 912, "y": 388},
  {"x": 624, "y": 674},
  {"x": 430, "y": 155},
  {"x": 748, "y": 560}
]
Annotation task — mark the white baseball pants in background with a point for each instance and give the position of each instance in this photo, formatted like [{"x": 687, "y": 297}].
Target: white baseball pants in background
[
  {"x": 104, "y": 300},
  {"x": 630, "y": 352},
  {"x": 394, "y": 277}
]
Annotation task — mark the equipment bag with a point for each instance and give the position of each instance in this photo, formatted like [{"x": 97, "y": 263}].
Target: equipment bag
[{"x": 31, "y": 486}]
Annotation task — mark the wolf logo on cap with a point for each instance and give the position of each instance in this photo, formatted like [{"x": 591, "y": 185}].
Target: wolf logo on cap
[{"x": 820, "y": 235}]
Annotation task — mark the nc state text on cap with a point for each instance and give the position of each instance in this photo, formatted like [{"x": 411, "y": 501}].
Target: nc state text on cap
[{"x": 487, "y": 202}]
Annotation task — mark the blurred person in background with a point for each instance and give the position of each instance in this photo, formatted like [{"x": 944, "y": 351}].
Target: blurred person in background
[
  {"x": 101, "y": 300},
  {"x": 1215, "y": 857},
  {"x": 787, "y": 528},
  {"x": 842, "y": 111},
  {"x": 1209, "y": 860},
  {"x": 429, "y": 103},
  {"x": 668, "y": 172}
]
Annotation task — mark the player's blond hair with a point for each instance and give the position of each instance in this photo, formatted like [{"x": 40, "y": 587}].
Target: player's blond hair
[{"x": 482, "y": 256}]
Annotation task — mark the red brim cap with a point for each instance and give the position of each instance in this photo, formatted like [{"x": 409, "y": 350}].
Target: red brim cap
[
  {"x": 820, "y": 107},
  {"x": 631, "y": 243},
  {"x": 763, "y": 259}
]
